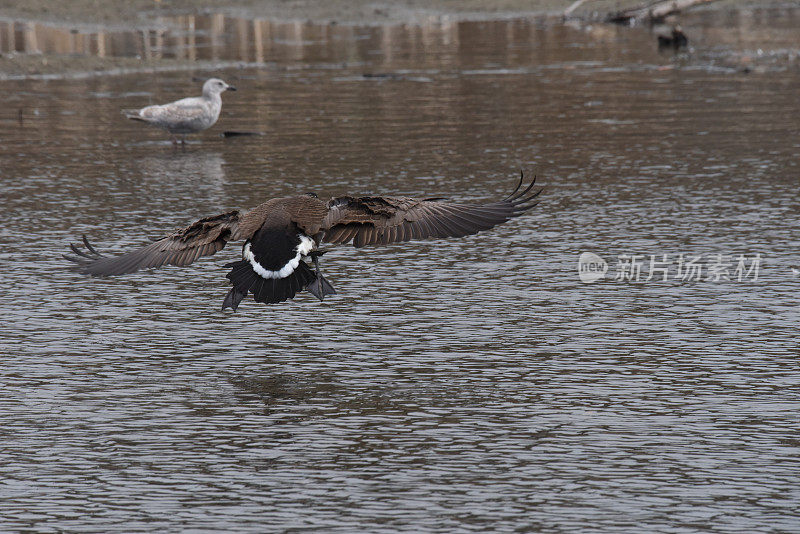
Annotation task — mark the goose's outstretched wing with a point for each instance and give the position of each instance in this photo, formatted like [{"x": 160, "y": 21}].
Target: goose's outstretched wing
[
  {"x": 384, "y": 220},
  {"x": 202, "y": 238}
]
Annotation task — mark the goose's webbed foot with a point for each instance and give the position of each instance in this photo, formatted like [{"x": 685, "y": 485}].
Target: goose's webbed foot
[{"x": 319, "y": 287}]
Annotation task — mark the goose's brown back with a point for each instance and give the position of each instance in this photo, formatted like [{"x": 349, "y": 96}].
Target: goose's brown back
[{"x": 305, "y": 211}]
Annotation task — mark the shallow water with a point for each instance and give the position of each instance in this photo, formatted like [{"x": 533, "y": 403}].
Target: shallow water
[{"x": 453, "y": 385}]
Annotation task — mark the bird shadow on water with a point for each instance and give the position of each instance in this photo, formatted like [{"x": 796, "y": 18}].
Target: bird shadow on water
[
  {"x": 330, "y": 394},
  {"x": 284, "y": 386},
  {"x": 311, "y": 394}
]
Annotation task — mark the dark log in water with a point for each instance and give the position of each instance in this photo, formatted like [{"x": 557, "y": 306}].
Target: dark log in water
[{"x": 234, "y": 133}]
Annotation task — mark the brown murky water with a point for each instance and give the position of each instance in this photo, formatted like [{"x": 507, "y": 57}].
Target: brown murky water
[{"x": 456, "y": 385}]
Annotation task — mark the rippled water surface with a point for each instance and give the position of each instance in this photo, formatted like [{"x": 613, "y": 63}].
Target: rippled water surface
[{"x": 452, "y": 385}]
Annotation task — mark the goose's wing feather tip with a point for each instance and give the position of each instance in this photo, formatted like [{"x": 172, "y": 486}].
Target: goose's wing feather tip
[
  {"x": 201, "y": 238},
  {"x": 383, "y": 220}
]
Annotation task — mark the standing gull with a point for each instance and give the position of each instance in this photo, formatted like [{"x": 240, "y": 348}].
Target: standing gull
[
  {"x": 280, "y": 233},
  {"x": 185, "y": 116}
]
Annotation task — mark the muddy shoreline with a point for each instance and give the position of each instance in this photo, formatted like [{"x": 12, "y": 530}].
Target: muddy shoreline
[
  {"x": 145, "y": 13},
  {"x": 86, "y": 16}
]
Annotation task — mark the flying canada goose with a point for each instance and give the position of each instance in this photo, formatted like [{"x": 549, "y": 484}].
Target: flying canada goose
[
  {"x": 185, "y": 116},
  {"x": 280, "y": 233}
]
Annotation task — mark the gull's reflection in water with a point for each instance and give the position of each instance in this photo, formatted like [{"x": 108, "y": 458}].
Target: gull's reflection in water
[{"x": 196, "y": 177}]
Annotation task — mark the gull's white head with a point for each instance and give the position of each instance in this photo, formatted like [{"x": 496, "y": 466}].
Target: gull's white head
[{"x": 215, "y": 86}]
